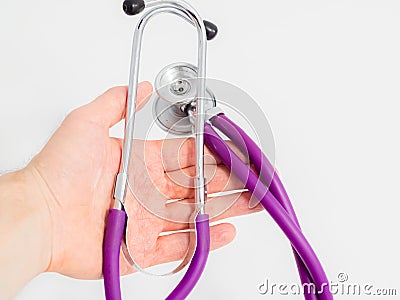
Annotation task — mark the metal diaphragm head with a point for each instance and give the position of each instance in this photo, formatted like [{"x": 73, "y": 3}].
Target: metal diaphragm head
[{"x": 175, "y": 103}]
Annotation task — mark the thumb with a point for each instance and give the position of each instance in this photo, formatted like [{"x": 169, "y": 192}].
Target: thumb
[{"x": 109, "y": 108}]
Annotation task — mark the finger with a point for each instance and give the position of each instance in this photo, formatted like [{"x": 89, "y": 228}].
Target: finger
[
  {"x": 217, "y": 208},
  {"x": 109, "y": 108},
  {"x": 180, "y": 183},
  {"x": 181, "y": 153},
  {"x": 145, "y": 90},
  {"x": 174, "y": 246}
]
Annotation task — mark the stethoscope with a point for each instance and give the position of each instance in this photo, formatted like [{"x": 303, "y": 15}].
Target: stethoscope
[{"x": 183, "y": 98}]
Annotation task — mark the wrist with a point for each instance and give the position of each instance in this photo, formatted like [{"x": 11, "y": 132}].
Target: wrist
[{"x": 25, "y": 231}]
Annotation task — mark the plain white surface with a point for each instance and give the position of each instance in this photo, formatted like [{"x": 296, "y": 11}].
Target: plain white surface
[{"x": 325, "y": 72}]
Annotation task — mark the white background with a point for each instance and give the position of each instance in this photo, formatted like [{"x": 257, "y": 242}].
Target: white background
[{"x": 327, "y": 75}]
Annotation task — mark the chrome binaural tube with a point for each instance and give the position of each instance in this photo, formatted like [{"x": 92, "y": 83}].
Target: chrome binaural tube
[{"x": 188, "y": 13}]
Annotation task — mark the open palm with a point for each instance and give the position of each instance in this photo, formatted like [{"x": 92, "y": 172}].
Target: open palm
[{"x": 76, "y": 171}]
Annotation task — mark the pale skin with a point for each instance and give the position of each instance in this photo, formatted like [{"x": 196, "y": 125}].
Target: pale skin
[{"x": 53, "y": 211}]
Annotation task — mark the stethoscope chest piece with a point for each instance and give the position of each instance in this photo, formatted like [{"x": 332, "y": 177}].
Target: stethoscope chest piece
[{"x": 175, "y": 98}]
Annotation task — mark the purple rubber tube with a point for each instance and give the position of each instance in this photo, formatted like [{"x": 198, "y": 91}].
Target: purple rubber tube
[
  {"x": 269, "y": 177},
  {"x": 257, "y": 157},
  {"x": 274, "y": 208},
  {"x": 198, "y": 262},
  {"x": 115, "y": 226}
]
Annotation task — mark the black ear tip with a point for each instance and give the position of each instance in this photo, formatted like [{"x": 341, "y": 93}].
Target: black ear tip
[
  {"x": 133, "y": 7},
  {"x": 211, "y": 30}
]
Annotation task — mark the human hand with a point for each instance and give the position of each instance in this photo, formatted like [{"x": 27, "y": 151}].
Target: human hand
[{"x": 75, "y": 173}]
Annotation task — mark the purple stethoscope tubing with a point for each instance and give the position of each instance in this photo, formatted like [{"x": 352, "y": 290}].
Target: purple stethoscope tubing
[
  {"x": 198, "y": 262},
  {"x": 268, "y": 175},
  {"x": 114, "y": 232},
  {"x": 115, "y": 227},
  {"x": 268, "y": 200},
  {"x": 278, "y": 206}
]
